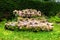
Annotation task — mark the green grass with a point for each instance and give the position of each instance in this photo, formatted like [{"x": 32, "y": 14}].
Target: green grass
[{"x": 25, "y": 35}]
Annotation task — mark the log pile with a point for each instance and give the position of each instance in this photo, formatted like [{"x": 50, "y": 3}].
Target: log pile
[
  {"x": 27, "y": 13},
  {"x": 29, "y": 23}
]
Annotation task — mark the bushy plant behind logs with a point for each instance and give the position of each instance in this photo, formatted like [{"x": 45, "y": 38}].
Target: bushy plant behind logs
[{"x": 47, "y": 8}]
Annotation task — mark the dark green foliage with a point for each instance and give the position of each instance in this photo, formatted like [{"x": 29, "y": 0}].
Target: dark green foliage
[{"x": 47, "y": 8}]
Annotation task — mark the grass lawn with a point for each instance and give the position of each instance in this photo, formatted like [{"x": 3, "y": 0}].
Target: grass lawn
[{"x": 25, "y": 35}]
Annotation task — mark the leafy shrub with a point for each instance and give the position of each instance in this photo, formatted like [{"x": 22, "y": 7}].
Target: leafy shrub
[
  {"x": 58, "y": 14},
  {"x": 54, "y": 19}
]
